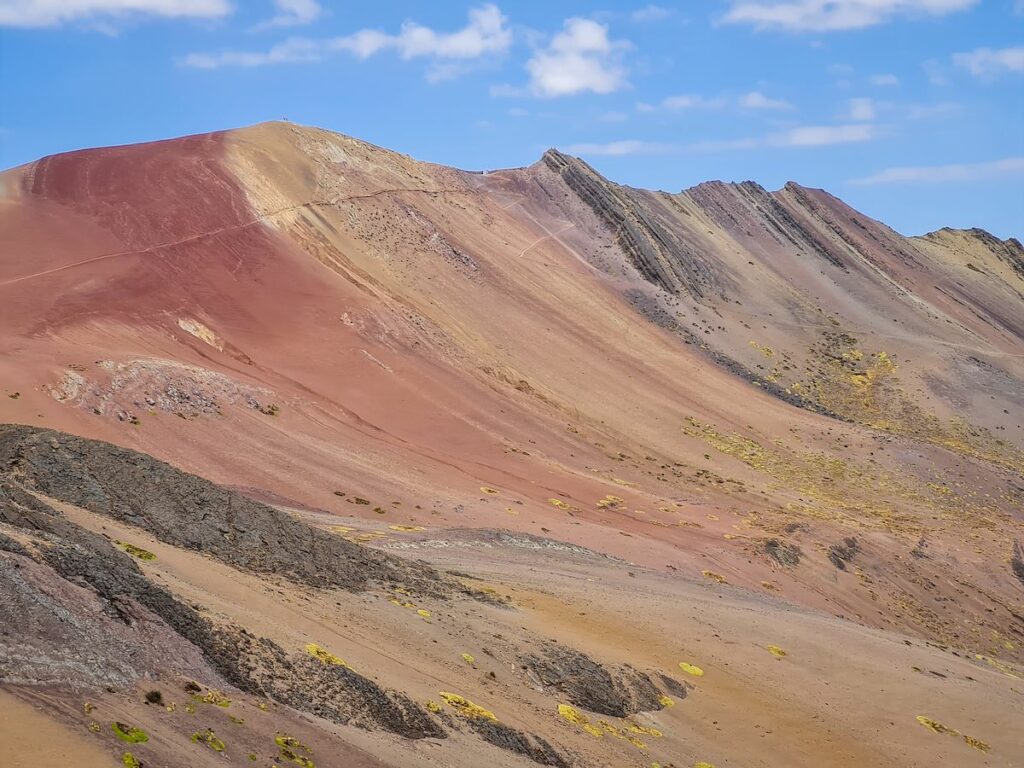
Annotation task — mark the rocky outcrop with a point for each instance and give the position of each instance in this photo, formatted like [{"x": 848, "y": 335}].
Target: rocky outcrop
[
  {"x": 618, "y": 692},
  {"x": 748, "y": 208},
  {"x": 1017, "y": 562},
  {"x": 1009, "y": 251},
  {"x": 78, "y": 613},
  {"x": 841, "y": 554},
  {"x": 657, "y": 252},
  {"x": 536, "y": 748},
  {"x": 54, "y": 635},
  {"x": 187, "y": 511},
  {"x": 782, "y": 552}
]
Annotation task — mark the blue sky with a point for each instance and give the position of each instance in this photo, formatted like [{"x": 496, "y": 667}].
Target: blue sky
[{"x": 910, "y": 110}]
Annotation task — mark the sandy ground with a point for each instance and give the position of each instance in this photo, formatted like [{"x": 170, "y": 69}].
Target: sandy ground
[
  {"x": 815, "y": 706},
  {"x": 33, "y": 738}
]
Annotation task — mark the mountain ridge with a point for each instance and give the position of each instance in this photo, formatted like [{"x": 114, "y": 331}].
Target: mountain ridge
[
  {"x": 515, "y": 367},
  {"x": 285, "y": 123}
]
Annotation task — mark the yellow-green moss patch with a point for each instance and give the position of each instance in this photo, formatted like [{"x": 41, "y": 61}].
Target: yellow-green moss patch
[
  {"x": 213, "y": 696},
  {"x": 291, "y": 749},
  {"x": 467, "y": 708},
  {"x": 209, "y": 738},
  {"x": 322, "y": 654},
  {"x": 129, "y": 733},
  {"x": 134, "y": 551}
]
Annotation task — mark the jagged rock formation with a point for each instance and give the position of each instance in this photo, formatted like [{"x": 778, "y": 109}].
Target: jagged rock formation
[
  {"x": 659, "y": 254},
  {"x": 137, "y": 614},
  {"x": 190, "y": 512},
  {"x": 587, "y": 684}
]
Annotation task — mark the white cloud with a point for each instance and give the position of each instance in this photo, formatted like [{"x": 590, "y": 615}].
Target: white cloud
[
  {"x": 757, "y": 100},
  {"x": 884, "y": 81},
  {"x": 927, "y": 111},
  {"x": 801, "y": 136},
  {"x": 504, "y": 90},
  {"x": 621, "y": 148},
  {"x": 687, "y": 101},
  {"x": 47, "y": 13},
  {"x": 486, "y": 33},
  {"x": 989, "y": 63},
  {"x": 294, "y": 13},
  {"x": 752, "y": 100},
  {"x": 724, "y": 145},
  {"x": 580, "y": 58},
  {"x": 822, "y": 135},
  {"x": 996, "y": 169},
  {"x": 832, "y": 15},
  {"x": 681, "y": 102},
  {"x": 294, "y": 50},
  {"x": 614, "y": 117},
  {"x": 861, "y": 109},
  {"x": 654, "y": 13}
]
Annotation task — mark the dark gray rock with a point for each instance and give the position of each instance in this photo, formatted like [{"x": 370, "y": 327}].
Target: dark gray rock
[{"x": 618, "y": 692}]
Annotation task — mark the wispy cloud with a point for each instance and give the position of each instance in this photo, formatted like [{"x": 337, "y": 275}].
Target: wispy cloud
[
  {"x": 689, "y": 101},
  {"x": 800, "y": 136},
  {"x": 624, "y": 147},
  {"x": 293, "y": 13},
  {"x": 486, "y": 33},
  {"x": 48, "y": 13},
  {"x": 934, "y": 174},
  {"x": 650, "y": 13},
  {"x": 990, "y": 63},
  {"x": 834, "y": 15},
  {"x": 928, "y": 111},
  {"x": 823, "y": 135},
  {"x": 884, "y": 81},
  {"x": 860, "y": 109},
  {"x": 294, "y": 50},
  {"x": 753, "y": 100},
  {"x": 581, "y": 58},
  {"x": 713, "y": 146},
  {"x": 757, "y": 100}
]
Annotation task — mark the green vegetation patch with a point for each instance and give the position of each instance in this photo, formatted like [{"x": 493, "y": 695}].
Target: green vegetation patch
[
  {"x": 209, "y": 738},
  {"x": 129, "y": 733},
  {"x": 134, "y": 551}
]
